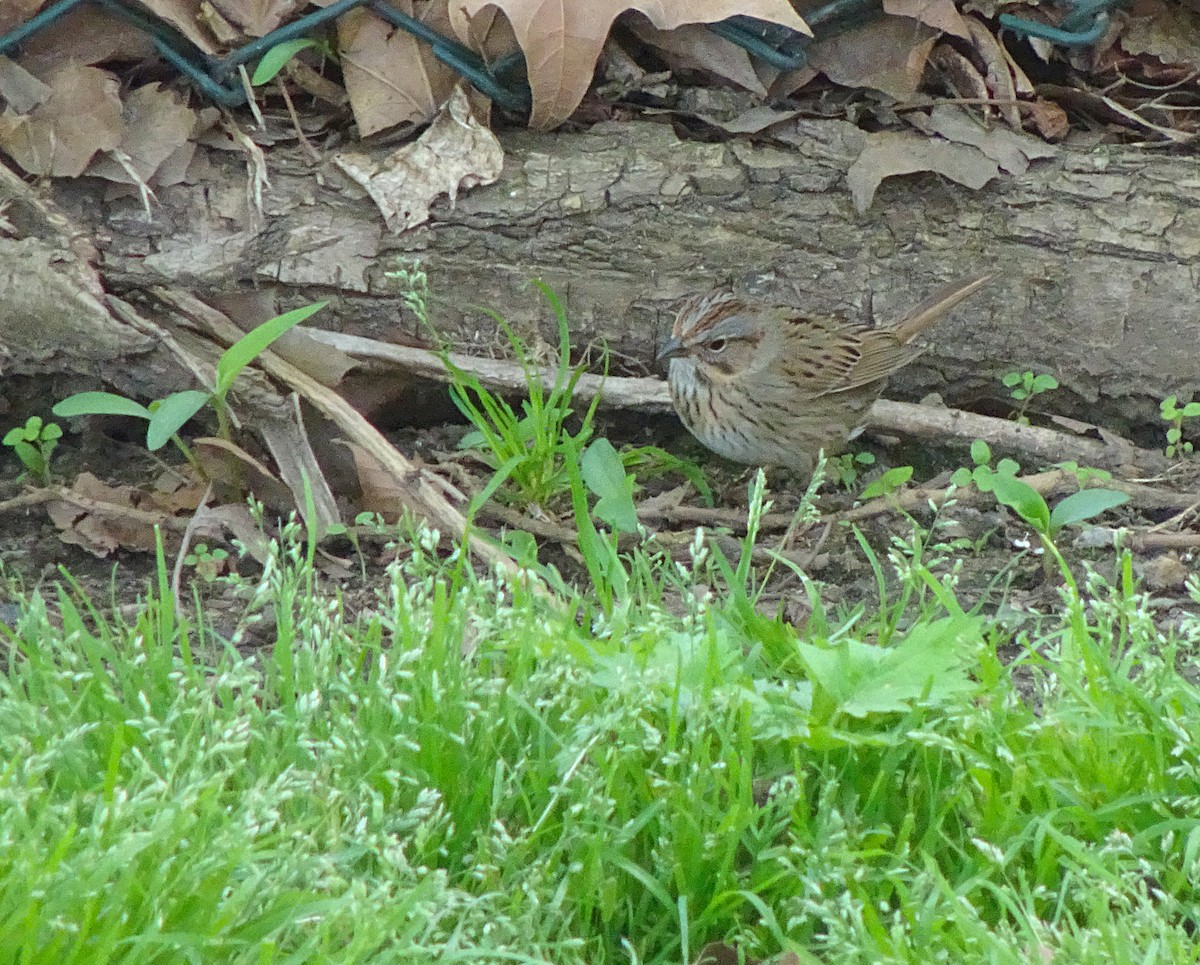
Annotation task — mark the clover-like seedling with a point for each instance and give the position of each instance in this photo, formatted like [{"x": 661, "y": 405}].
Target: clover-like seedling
[
  {"x": 1024, "y": 386},
  {"x": 33, "y": 444},
  {"x": 983, "y": 475},
  {"x": 846, "y": 468},
  {"x": 1174, "y": 413}
]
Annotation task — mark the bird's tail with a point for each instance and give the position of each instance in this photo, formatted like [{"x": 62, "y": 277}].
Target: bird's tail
[{"x": 909, "y": 325}]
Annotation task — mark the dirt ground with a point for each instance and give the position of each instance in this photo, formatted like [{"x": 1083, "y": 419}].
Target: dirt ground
[{"x": 1000, "y": 567}]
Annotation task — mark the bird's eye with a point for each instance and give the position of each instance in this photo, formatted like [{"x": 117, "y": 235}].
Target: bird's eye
[{"x": 717, "y": 345}]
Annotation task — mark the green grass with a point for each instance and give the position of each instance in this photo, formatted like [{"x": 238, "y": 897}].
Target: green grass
[{"x": 471, "y": 771}]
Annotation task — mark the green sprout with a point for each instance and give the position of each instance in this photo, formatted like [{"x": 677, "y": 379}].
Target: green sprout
[
  {"x": 1174, "y": 413},
  {"x": 165, "y": 417},
  {"x": 846, "y": 468},
  {"x": 1024, "y": 386},
  {"x": 983, "y": 475},
  {"x": 33, "y": 443}
]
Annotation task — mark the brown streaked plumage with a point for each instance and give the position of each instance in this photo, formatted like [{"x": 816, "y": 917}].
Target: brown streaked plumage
[{"x": 767, "y": 386}]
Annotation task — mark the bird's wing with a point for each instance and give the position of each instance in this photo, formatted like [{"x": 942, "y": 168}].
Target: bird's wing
[{"x": 824, "y": 355}]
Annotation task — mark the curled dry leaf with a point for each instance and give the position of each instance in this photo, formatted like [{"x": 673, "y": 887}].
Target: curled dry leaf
[
  {"x": 456, "y": 151},
  {"x": 1012, "y": 150},
  {"x": 103, "y": 518},
  {"x": 562, "y": 39},
  {"x": 157, "y": 124},
  {"x": 939, "y": 14},
  {"x": 390, "y": 77},
  {"x": 81, "y": 117},
  {"x": 258, "y": 17},
  {"x": 891, "y": 153},
  {"x": 888, "y": 55},
  {"x": 696, "y": 47},
  {"x": 1001, "y": 80}
]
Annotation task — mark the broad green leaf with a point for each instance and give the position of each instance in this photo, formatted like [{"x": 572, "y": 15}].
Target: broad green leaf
[
  {"x": 171, "y": 415},
  {"x": 247, "y": 348},
  {"x": 605, "y": 475},
  {"x": 1024, "y": 500},
  {"x": 274, "y": 59},
  {"x": 14, "y": 435},
  {"x": 889, "y": 482},
  {"x": 981, "y": 452},
  {"x": 99, "y": 403},
  {"x": 1084, "y": 505},
  {"x": 864, "y": 679},
  {"x": 30, "y": 457},
  {"x": 51, "y": 432}
]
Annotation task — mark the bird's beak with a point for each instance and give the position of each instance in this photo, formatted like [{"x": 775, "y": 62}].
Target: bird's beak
[{"x": 670, "y": 348}]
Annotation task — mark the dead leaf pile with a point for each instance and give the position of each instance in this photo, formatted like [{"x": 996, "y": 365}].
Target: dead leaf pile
[{"x": 68, "y": 109}]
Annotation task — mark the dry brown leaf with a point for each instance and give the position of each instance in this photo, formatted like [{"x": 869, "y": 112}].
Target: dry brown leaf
[
  {"x": 959, "y": 74},
  {"x": 1169, "y": 32},
  {"x": 754, "y": 120},
  {"x": 157, "y": 125},
  {"x": 184, "y": 14},
  {"x": 891, "y": 153},
  {"x": 695, "y": 47},
  {"x": 1047, "y": 118},
  {"x": 258, "y": 17},
  {"x": 106, "y": 518},
  {"x": 81, "y": 117},
  {"x": 388, "y": 77},
  {"x": 1012, "y": 150},
  {"x": 1001, "y": 79},
  {"x": 19, "y": 89},
  {"x": 939, "y": 14},
  {"x": 488, "y": 32},
  {"x": 562, "y": 39},
  {"x": 88, "y": 36},
  {"x": 888, "y": 55},
  {"x": 455, "y": 152},
  {"x": 16, "y": 12},
  {"x": 380, "y": 491}
]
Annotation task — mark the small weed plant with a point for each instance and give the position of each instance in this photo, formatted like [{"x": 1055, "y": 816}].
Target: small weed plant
[
  {"x": 1024, "y": 387},
  {"x": 846, "y": 468},
  {"x": 530, "y": 448},
  {"x": 275, "y": 59},
  {"x": 34, "y": 443},
  {"x": 983, "y": 474},
  {"x": 1174, "y": 415},
  {"x": 165, "y": 417}
]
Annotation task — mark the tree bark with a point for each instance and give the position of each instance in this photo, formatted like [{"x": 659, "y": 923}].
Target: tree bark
[{"x": 1097, "y": 253}]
